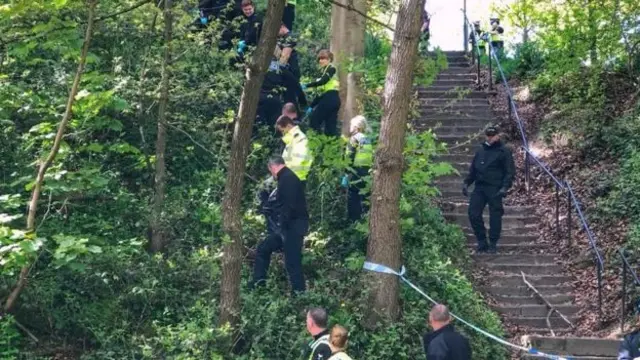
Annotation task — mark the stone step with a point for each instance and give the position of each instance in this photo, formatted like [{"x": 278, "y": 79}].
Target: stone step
[
  {"x": 454, "y": 93},
  {"x": 454, "y": 102},
  {"x": 510, "y": 239},
  {"x": 516, "y": 268},
  {"x": 541, "y": 322},
  {"x": 455, "y": 106},
  {"x": 459, "y": 69},
  {"x": 524, "y": 259},
  {"x": 449, "y": 88},
  {"x": 464, "y": 158},
  {"x": 531, "y": 230},
  {"x": 433, "y": 121},
  {"x": 508, "y": 221},
  {"x": 451, "y": 117},
  {"x": 472, "y": 140},
  {"x": 607, "y": 348},
  {"x": 453, "y": 113},
  {"x": 457, "y": 76},
  {"x": 458, "y": 129},
  {"x": 513, "y": 248},
  {"x": 508, "y": 209},
  {"x": 534, "y": 310},
  {"x": 532, "y": 299},
  {"x": 519, "y": 289},
  {"x": 453, "y": 82}
]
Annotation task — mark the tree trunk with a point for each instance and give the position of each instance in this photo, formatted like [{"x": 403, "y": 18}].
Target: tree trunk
[
  {"x": 44, "y": 166},
  {"x": 339, "y": 47},
  {"x": 385, "y": 243},
  {"x": 231, "y": 203},
  {"x": 354, "y": 96},
  {"x": 157, "y": 231}
]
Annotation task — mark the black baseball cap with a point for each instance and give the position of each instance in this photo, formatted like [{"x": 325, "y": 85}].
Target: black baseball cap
[{"x": 491, "y": 131}]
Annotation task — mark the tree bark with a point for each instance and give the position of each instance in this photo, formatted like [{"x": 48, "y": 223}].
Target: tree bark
[
  {"x": 356, "y": 34},
  {"x": 44, "y": 166},
  {"x": 157, "y": 231},
  {"x": 340, "y": 48},
  {"x": 231, "y": 203},
  {"x": 385, "y": 243}
]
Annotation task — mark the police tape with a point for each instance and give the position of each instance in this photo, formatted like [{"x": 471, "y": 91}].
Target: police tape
[{"x": 386, "y": 270}]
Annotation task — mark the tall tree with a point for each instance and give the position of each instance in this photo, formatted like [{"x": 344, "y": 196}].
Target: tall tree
[
  {"x": 157, "y": 231},
  {"x": 355, "y": 26},
  {"x": 231, "y": 203},
  {"x": 44, "y": 165},
  {"x": 339, "y": 46},
  {"x": 385, "y": 243}
]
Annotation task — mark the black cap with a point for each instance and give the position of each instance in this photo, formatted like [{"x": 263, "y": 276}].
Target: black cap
[{"x": 491, "y": 131}]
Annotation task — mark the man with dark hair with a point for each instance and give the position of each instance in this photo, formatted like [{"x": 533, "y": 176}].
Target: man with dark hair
[
  {"x": 317, "y": 321},
  {"x": 492, "y": 170},
  {"x": 250, "y": 27},
  {"x": 290, "y": 209},
  {"x": 444, "y": 343}
]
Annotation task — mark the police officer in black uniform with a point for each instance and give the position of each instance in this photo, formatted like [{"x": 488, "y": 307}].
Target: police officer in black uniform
[
  {"x": 630, "y": 346},
  {"x": 492, "y": 170}
]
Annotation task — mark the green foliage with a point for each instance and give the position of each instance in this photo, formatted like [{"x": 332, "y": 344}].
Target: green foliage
[{"x": 10, "y": 339}]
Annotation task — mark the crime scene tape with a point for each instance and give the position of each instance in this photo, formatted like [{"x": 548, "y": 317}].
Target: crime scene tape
[{"x": 386, "y": 270}]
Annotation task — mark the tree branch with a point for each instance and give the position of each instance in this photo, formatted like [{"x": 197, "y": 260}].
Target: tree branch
[
  {"x": 351, "y": 8},
  {"x": 547, "y": 303}
]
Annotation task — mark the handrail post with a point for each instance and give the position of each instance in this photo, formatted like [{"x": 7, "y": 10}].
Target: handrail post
[
  {"x": 623, "y": 295},
  {"x": 599, "y": 265},
  {"x": 558, "y": 235},
  {"x": 510, "y": 108},
  {"x": 570, "y": 242},
  {"x": 490, "y": 67},
  {"x": 527, "y": 170}
]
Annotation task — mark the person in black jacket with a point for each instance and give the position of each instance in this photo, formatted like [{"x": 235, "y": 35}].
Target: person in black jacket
[
  {"x": 492, "y": 170},
  {"x": 444, "y": 343},
  {"x": 630, "y": 346},
  {"x": 318, "y": 348},
  {"x": 292, "y": 222},
  {"x": 326, "y": 105}
]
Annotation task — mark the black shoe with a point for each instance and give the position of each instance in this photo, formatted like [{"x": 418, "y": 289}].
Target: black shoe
[
  {"x": 482, "y": 248},
  {"x": 492, "y": 248}
]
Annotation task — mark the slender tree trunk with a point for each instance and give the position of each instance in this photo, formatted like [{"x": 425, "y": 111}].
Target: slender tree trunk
[
  {"x": 157, "y": 231},
  {"x": 44, "y": 166},
  {"x": 340, "y": 48},
  {"x": 231, "y": 203},
  {"x": 385, "y": 243},
  {"x": 357, "y": 28}
]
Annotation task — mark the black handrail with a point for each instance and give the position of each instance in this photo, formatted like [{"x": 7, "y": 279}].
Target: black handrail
[
  {"x": 626, "y": 267},
  {"x": 477, "y": 44},
  {"x": 559, "y": 185}
]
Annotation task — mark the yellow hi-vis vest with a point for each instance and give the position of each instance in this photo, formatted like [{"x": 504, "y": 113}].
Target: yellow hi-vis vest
[
  {"x": 332, "y": 84},
  {"x": 296, "y": 153},
  {"x": 292, "y": 2},
  {"x": 340, "y": 356},
  {"x": 495, "y": 36},
  {"x": 363, "y": 149},
  {"x": 324, "y": 339}
]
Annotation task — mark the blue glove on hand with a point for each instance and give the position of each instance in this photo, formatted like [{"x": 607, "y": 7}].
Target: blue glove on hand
[
  {"x": 304, "y": 87},
  {"x": 204, "y": 20},
  {"x": 345, "y": 181},
  {"x": 308, "y": 111},
  {"x": 241, "y": 46}
]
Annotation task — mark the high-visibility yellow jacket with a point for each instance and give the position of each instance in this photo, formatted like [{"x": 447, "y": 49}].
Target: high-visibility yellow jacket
[
  {"x": 296, "y": 153},
  {"x": 340, "y": 356},
  {"x": 496, "y": 35},
  {"x": 360, "y": 150}
]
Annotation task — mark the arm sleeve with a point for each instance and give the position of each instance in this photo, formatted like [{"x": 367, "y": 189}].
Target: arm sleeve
[
  {"x": 286, "y": 197},
  {"x": 331, "y": 71},
  {"x": 437, "y": 351},
  {"x": 471, "y": 177},
  {"x": 624, "y": 352},
  {"x": 509, "y": 169}
]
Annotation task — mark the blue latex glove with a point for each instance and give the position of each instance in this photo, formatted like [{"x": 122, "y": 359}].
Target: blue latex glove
[
  {"x": 304, "y": 87},
  {"x": 204, "y": 20},
  {"x": 308, "y": 111},
  {"x": 345, "y": 181},
  {"x": 241, "y": 46}
]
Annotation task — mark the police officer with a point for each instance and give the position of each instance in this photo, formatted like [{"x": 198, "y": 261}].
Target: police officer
[
  {"x": 318, "y": 348},
  {"x": 360, "y": 156},
  {"x": 497, "y": 41},
  {"x": 444, "y": 343},
  {"x": 292, "y": 223},
  {"x": 296, "y": 153},
  {"x": 482, "y": 45},
  {"x": 250, "y": 27},
  {"x": 492, "y": 170},
  {"x": 630, "y": 346},
  {"x": 325, "y": 106}
]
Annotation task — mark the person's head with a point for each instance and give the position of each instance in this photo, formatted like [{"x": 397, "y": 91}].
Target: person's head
[
  {"x": 338, "y": 338},
  {"x": 495, "y": 22},
  {"x": 325, "y": 57},
  {"x": 492, "y": 134},
  {"x": 275, "y": 164},
  {"x": 316, "y": 321},
  {"x": 290, "y": 110},
  {"x": 248, "y": 8},
  {"x": 358, "y": 124},
  {"x": 439, "y": 317},
  {"x": 476, "y": 25},
  {"x": 284, "y": 124},
  {"x": 283, "y": 30}
]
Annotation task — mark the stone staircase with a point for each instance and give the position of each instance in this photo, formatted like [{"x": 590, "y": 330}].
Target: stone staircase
[{"x": 458, "y": 113}]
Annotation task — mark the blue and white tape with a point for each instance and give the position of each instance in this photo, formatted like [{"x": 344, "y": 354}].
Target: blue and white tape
[{"x": 387, "y": 270}]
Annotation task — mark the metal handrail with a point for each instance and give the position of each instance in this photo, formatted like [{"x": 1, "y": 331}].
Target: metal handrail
[
  {"x": 623, "y": 294},
  {"x": 585, "y": 225},
  {"x": 475, "y": 41},
  {"x": 544, "y": 167}
]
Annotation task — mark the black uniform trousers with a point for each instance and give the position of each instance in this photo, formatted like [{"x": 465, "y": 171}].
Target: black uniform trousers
[
  {"x": 326, "y": 112},
  {"x": 289, "y": 16},
  {"x": 482, "y": 196},
  {"x": 269, "y": 109},
  {"x": 355, "y": 202},
  {"x": 291, "y": 243}
]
